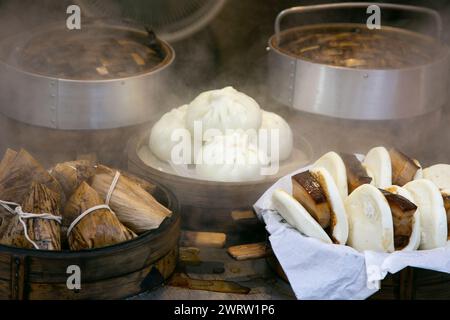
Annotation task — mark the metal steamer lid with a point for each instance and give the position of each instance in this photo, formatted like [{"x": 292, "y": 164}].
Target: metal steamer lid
[
  {"x": 358, "y": 93},
  {"x": 122, "y": 99}
]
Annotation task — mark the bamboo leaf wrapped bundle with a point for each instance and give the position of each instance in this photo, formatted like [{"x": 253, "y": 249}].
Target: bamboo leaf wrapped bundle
[
  {"x": 40, "y": 231},
  {"x": 71, "y": 175},
  {"x": 136, "y": 208},
  {"x": 17, "y": 173},
  {"x": 100, "y": 228}
]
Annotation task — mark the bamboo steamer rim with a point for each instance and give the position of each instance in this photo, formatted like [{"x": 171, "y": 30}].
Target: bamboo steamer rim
[
  {"x": 143, "y": 239},
  {"x": 24, "y": 36},
  {"x": 444, "y": 50}
]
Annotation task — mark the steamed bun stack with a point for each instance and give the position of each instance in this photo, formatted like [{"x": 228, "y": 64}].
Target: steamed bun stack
[
  {"x": 161, "y": 142},
  {"x": 237, "y": 138},
  {"x": 391, "y": 202}
]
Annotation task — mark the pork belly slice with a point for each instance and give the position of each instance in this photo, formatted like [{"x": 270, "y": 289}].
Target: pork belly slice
[
  {"x": 308, "y": 191},
  {"x": 403, "y": 168},
  {"x": 403, "y": 212},
  {"x": 446, "y": 196},
  {"x": 356, "y": 173}
]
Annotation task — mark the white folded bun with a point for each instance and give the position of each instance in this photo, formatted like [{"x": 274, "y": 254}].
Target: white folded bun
[
  {"x": 370, "y": 220},
  {"x": 340, "y": 227},
  {"x": 414, "y": 241},
  {"x": 433, "y": 218},
  {"x": 297, "y": 216},
  {"x": 439, "y": 175},
  {"x": 378, "y": 163},
  {"x": 370, "y": 174},
  {"x": 419, "y": 173},
  {"x": 334, "y": 164}
]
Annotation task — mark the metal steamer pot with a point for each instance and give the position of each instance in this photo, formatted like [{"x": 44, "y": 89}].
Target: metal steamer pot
[
  {"x": 358, "y": 93},
  {"x": 49, "y": 101}
]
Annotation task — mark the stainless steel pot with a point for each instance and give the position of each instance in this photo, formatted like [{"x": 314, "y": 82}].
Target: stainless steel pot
[
  {"x": 67, "y": 104},
  {"x": 362, "y": 94}
]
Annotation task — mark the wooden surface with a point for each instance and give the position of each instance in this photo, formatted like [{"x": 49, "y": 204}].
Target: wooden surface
[
  {"x": 216, "y": 264},
  {"x": 250, "y": 272}
]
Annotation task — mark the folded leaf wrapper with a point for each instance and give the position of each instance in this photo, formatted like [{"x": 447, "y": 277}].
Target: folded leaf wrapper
[
  {"x": 45, "y": 233},
  {"x": 98, "y": 229},
  {"x": 17, "y": 173},
  {"x": 322, "y": 271},
  {"x": 71, "y": 175},
  {"x": 135, "y": 207}
]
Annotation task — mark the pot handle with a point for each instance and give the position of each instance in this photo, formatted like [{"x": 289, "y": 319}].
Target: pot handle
[{"x": 348, "y": 5}]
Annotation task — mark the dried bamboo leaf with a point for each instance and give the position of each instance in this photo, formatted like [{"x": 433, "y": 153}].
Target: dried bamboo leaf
[
  {"x": 18, "y": 175},
  {"x": 147, "y": 186},
  {"x": 45, "y": 233},
  {"x": 135, "y": 207},
  {"x": 99, "y": 229},
  {"x": 5, "y": 221},
  {"x": 8, "y": 158},
  {"x": 71, "y": 175}
]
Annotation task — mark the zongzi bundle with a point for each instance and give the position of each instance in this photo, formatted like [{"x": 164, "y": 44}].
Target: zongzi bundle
[
  {"x": 8, "y": 158},
  {"x": 97, "y": 229},
  {"x": 5, "y": 221},
  {"x": 135, "y": 207},
  {"x": 71, "y": 175},
  {"x": 40, "y": 215},
  {"x": 18, "y": 173}
]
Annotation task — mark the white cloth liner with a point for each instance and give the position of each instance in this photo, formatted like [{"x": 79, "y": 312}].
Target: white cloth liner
[{"x": 321, "y": 271}]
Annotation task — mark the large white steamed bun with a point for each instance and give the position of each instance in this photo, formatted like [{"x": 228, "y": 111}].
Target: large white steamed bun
[
  {"x": 231, "y": 158},
  {"x": 222, "y": 110},
  {"x": 270, "y": 122},
  {"x": 161, "y": 143}
]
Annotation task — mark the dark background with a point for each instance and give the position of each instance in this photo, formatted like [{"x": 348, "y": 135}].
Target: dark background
[{"x": 231, "y": 51}]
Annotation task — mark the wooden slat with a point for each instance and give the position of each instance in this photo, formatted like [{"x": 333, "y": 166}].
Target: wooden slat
[
  {"x": 183, "y": 281},
  {"x": 238, "y": 215},
  {"x": 203, "y": 239},
  {"x": 249, "y": 251}
]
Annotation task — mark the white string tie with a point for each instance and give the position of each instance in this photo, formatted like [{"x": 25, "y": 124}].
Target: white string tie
[
  {"x": 112, "y": 187},
  {"x": 99, "y": 207},
  {"x": 24, "y": 216},
  {"x": 84, "y": 214}
]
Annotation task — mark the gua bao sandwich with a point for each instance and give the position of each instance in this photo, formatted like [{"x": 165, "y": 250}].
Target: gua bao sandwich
[
  {"x": 316, "y": 208},
  {"x": 384, "y": 203}
]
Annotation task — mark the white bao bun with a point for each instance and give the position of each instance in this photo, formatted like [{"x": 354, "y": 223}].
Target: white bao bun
[
  {"x": 370, "y": 220},
  {"x": 222, "y": 110},
  {"x": 414, "y": 241},
  {"x": 340, "y": 229},
  {"x": 297, "y": 216},
  {"x": 334, "y": 164},
  {"x": 378, "y": 163},
  {"x": 433, "y": 217},
  {"x": 160, "y": 142},
  {"x": 272, "y": 121},
  {"x": 439, "y": 175},
  {"x": 232, "y": 158}
]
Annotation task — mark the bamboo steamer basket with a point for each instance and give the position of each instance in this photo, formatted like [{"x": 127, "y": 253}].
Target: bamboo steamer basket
[{"x": 115, "y": 272}]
